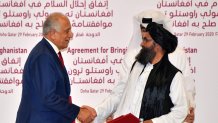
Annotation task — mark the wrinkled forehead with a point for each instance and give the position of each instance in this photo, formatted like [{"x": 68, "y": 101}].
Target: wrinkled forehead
[
  {"x": 146, "y": 35},
  {"x": 143, "y": 29}
]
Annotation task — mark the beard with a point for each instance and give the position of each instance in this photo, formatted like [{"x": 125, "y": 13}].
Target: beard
[{"x": 146, "y": 55}]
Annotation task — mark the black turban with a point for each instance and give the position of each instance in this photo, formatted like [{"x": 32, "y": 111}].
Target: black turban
[{"x": 163, "y": 37}]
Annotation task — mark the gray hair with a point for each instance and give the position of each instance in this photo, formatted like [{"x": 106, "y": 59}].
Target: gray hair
[{"x": 52, "y": 22}]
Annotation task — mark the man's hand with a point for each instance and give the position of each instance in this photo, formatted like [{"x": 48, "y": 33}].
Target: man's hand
[
  {"x": 86, "y": 114},
  {"x": 191, "y": 116},
  {"x": 92, "y": 110},
  {"x": 110, "y": 118},
  {"x": 148, "y": 121}
]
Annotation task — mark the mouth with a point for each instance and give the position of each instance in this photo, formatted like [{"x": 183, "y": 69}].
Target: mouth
[{"x": 67, "y": 41}]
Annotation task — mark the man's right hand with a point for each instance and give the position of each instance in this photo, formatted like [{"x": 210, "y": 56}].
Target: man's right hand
[
  {"x": 86, "y": 114},
  {"x": 110, "y": 118},
  {"x": 191, "y": 116}
]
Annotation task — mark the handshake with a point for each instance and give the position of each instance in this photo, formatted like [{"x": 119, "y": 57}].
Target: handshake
[{"x": 86, "y": 114}]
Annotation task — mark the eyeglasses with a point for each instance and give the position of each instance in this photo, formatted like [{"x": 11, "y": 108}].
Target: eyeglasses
[{"x": 144, "y": 39}]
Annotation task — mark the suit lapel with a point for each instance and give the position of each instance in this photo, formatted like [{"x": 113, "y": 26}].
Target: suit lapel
[{"x": 63, "y": 70}]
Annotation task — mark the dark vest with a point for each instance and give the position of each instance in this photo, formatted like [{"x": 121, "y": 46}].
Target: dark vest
[{"x": 156, "y": 100}]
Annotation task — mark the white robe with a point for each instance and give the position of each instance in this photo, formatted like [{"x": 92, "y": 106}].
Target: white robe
[{"x": 127, "y": 95}]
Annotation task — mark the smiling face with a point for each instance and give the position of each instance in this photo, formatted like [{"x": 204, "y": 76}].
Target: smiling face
[
  {"x": 62, "y": 37},
  {"x": 57, "y": 29}
]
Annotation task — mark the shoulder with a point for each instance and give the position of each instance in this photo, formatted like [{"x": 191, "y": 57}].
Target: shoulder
[
  {"x": 179, "y": 53},
  {"x": 179, "y": 59},
  {"x": 41, "y": 52}
]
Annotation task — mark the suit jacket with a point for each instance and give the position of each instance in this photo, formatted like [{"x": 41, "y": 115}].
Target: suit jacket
[{"x": 46, "y": 89}]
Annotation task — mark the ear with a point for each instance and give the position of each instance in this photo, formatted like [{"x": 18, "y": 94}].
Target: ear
[
  {"x": 157, "y": 47},
  {"x": 52, "y": 34}
]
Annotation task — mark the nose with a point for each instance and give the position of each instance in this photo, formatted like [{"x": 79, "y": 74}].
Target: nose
[
  {"x": 141, "y": 44},
  {"x": 71, "y": 35}
]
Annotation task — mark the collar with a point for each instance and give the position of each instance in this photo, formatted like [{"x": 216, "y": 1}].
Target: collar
[{"x": 53, "y": 46}]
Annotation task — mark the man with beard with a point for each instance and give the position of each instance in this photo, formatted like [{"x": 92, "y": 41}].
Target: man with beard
[
  {"x": 146, "y": 54},
  {"x": 154, "y": 89},
  {"x": 178, "y": 58}
]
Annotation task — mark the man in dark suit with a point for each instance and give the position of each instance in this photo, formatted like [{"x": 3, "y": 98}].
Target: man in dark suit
[{"x": 46, "y": 87}]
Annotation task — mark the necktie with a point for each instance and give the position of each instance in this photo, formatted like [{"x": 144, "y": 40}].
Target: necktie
[
  {"x": 61, "y": 59},
  {"x": 62, "y": 64}
]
